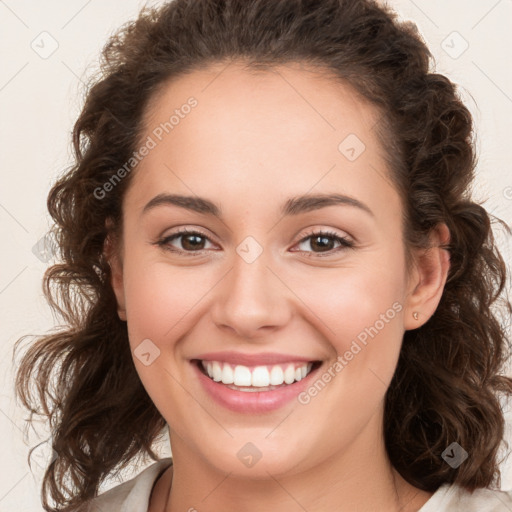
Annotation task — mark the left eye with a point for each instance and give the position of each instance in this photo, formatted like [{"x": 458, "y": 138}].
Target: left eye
[
  {"x": 322, "y": 240},
  {"x": 193, "y": 242}
]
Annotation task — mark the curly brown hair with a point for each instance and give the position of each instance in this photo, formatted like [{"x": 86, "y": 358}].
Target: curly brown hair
[{"x": 448, "y": 379}]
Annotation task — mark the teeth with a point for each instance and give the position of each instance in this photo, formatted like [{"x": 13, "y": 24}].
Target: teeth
[
  {"x": 242, "y": 376},
  {"x": 227, "y": 375},
  {"x": 276, "y": 376},
  {"x": 289, "y": 374},
  {"x": 217, "y": 371},
  {"x": 258, "y": 376}
]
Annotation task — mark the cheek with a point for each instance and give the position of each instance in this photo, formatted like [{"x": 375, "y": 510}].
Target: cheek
[
  {"x": 161, "y": 302},
  {"x": 361, "y": 317},
  {"x": 159, "y": 296},
  {"x": 346, "y": 301}
]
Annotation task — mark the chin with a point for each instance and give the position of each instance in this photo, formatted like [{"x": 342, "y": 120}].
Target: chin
[{"x": 251, "y": 463}]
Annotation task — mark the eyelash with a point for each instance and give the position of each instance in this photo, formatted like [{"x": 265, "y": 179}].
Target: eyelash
[{"x": 345, "y": 243}]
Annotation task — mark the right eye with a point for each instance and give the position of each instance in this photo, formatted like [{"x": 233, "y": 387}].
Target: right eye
[{"x": 190, "y": 241}]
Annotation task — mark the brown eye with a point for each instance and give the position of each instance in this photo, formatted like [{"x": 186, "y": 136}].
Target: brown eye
[
  {"x": 324, "y": 242},
  {"x": 190, "y": 241}
]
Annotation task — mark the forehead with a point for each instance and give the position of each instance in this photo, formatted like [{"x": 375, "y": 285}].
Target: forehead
[
  {"x": 296, "y": 95},
  {"x": 282, "y": 131}
]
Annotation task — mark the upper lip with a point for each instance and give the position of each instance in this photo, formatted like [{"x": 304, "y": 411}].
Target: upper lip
[{"x": 264, "y": 358}]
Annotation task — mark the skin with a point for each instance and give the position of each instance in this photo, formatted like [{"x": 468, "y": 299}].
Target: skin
[{"x": 252, "y": 142}]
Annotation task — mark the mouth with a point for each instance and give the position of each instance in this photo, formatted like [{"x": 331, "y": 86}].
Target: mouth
[{"x": 259, "y": 378}]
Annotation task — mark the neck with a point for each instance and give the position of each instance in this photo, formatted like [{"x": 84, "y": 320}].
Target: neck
[{"x": 360, "y": 478}]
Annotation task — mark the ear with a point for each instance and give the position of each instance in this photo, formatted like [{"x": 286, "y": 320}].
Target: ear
[
  {"x": 427, "y": 280},
  {"x": 112, "y": 252}
]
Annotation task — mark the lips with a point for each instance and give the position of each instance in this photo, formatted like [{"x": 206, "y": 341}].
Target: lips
[{"x": 258, "y": 395}]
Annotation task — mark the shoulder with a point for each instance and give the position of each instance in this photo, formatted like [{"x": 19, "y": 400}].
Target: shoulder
[
  {"x": 132, "y": 495},
  {"x": 457, "y": 499}
]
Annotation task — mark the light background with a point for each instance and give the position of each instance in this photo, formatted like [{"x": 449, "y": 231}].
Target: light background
[{"x": 41, "y": 95}]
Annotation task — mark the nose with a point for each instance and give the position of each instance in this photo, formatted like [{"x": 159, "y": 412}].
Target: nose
[{"x": 252, "y": 299}]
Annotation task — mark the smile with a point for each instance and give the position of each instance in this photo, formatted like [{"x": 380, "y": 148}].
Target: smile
[
  {"x": 264, "y": 376},
  {"x": 253, "y": 389}
]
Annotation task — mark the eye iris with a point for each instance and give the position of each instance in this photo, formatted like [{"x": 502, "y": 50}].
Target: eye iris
[
  {"x": 194, "y": 245},
  {"x": 326, "y": 242}
]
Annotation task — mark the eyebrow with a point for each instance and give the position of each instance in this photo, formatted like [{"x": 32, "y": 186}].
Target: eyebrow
[{"x": 293, "y": 206}]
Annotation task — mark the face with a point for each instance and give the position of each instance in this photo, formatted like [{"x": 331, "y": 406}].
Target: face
[{"x": 269, "y": 273}]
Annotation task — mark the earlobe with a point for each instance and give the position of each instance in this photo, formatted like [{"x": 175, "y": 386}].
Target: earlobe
[
  {"x": 428, "y": 279},
  {"x": 111, "y": 252}
]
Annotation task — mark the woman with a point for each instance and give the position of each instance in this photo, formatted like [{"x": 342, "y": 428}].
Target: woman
[{"x": 269, "y": 248}]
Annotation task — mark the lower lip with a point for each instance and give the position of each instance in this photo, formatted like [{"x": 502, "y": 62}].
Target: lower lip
[{"x": 252, "y": 401}]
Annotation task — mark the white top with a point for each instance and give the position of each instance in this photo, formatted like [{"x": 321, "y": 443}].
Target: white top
[{"x": 133, "y": 496}]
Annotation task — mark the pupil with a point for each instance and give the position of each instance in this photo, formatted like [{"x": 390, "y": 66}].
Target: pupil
[
  {"x": 193, "y": 245},
  {"x": 324, "y": 241}
]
